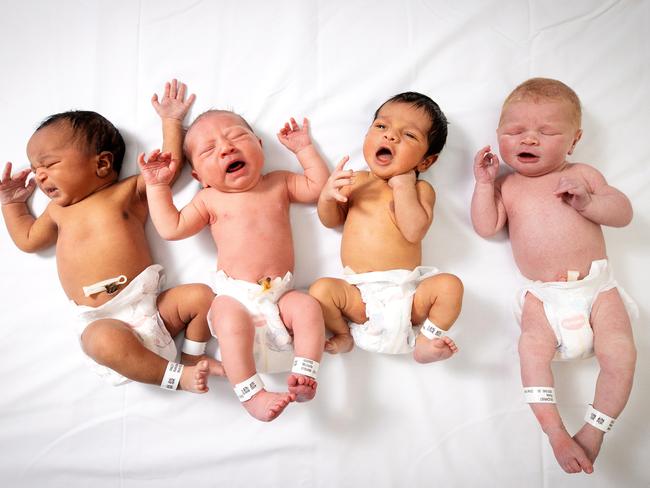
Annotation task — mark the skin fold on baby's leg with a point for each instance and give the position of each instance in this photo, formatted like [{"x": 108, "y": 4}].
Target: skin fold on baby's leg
[
  {"x": 341, "y": 302},
  {"x": 235, "y": 331},
  {"x": 185, "y": 307},
  {"x": 616, "y": 354},
  {"x": 113, "y": 344},
  {"x": 303, "y": 317},
  {"x": 438, "y": 298},
  {"x": 537, "y": 347}
]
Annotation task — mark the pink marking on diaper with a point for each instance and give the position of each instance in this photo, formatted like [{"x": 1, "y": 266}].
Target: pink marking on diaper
[
  {"x": 573, "y": 323},
  {"x": 259, "y": 320},
  {"x": 137, "y": 323}
]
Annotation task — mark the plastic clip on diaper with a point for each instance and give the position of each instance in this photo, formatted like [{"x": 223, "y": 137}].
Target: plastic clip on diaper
[
  {"x": 539, "y": 394},
  {"x": 247, "y": 388},
  {"x": 572, "y": 275},
  {"x": 305, "y": 366},
  {"x": 599, "y": 419},
  {"x": 109, "y": 286},
  {"x": 172, "y": 377},
  {"x": 265, "y": 283},
  {"x": 193, "y": 348},
  {"x": 431, "y": 330}
]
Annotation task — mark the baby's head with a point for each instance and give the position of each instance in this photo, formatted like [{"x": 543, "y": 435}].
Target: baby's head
[
  {"x": 224, "y": 152},
  {"x": 407, "y": 133},
  {"x": 539, "y": 126},
  {"x": 75, "y": 153}
]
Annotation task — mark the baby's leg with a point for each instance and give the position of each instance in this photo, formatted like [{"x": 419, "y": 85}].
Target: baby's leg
[
  {"x": 113, "y": 344},
  {"x": 616, "y": 354},
  {"x": 340, "y": 302},
  {"x": 186, "y": 308},
  {"x": 439, "y": 299},
  {"x": 235, "y": 331},
  {"x": 303, "y": 316},
  {"x": 537, "y": 346}
]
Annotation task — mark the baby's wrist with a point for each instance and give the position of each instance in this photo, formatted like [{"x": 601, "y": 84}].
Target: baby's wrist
[{"x": 305, "y": 149}]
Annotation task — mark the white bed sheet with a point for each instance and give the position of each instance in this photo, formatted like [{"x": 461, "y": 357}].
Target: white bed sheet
[{"x": 377, "y": 421}]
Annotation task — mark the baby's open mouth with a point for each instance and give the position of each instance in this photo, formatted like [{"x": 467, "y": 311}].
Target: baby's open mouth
[
  {"x": 384, "y": 155},
  {"x": 235, "y": 166},
  {"x": 526, "y": 155}
]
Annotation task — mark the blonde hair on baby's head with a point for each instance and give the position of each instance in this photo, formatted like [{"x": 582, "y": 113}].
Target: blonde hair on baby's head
[{"x": 539, "y": 89}]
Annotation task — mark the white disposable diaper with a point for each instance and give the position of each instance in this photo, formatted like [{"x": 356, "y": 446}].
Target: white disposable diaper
[
  {"x": 388, "y": 296},
  {"x": 273, "y": 346},
  {"x": 135, "y": 305},
  {"x": 567, "y": 305}
]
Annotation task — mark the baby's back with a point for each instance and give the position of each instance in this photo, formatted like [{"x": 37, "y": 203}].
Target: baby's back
[{"x": 548, "y": 236}]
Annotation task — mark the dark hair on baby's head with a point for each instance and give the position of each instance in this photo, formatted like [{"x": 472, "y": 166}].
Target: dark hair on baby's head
[
  {"x": 437, "y": 135},
  {"x": 94, "y": 131}
]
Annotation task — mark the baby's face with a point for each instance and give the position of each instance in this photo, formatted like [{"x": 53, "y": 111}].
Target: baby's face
[
  {"x": 397, "y": 141},
  {"x": 63, "y": 170},
  {"x": 225, "y": 153},
  {"x": 536, "y": 136}
]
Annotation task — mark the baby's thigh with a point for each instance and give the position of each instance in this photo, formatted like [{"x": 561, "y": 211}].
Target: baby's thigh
[
  {"x": 228, "y": 315},
  {"x": 297, "y": 305},
  {"x": 611, "y": 325},
  {"x": 537, "y": 335},
  {"x": 444, "y": 290},
  {"x": 338, "y": 296},
  {"x": 179, "y": 305},
  {"x": 104, "y": 336}
]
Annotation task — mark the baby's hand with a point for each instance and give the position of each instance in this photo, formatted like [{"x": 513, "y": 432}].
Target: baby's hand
[
  {"x": 405, "y": 179},
  {"x": 13, "y": 189},
  {"x": 158, "y": 169},
  {"x": 337, "y": 180},
  {"x": 574, "y": 192},
  {"x": 486, "y": 166},
  {"x": 294, "y": 137},
  {"x": 172, "y": 105}
]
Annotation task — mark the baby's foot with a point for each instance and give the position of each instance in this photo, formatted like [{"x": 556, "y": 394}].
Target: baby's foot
[
  {"x": 216, "y": 367},
  {"x": 266, "y": 405},
  {"x": 430, "y": 350},
  {"x": 590, "y": 439},
  {"x": 302, "y": 386},
  {"x": 339, "y": 343},
  {"x": 195, "y": 378},
  {"x": 570, "y": 456}
]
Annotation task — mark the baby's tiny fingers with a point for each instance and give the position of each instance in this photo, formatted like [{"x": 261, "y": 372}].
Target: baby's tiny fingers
[
  {"x": 6, "y": 174},
  {"x": 345, "y": 159}
]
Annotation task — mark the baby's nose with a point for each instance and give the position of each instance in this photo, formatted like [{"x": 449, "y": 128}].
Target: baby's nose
[
  {"x": 226, "y": 149},
  {"x": 40, "y": 174}
]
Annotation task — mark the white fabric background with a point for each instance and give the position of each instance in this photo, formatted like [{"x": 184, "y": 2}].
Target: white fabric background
[{"x": 377, "y": 421}]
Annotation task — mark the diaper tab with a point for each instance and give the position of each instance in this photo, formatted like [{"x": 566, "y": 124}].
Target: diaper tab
[
  {"x": 539, "y": 394},
  {"x": 305, "y": 366},
  {"x": 599, "y": 419},
  {"x": 172, "y": 377},
  {"x": 109, "y": 286},
  {"x": 247, "y": 388}
]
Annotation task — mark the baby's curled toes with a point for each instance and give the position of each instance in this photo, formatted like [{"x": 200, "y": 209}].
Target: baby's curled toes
[{"x": 302, "y": 386}]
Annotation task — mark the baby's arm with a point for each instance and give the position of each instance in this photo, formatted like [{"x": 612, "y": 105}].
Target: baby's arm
[
  {"x": 172, "y": 109},
  {"x": 28, "y": 233},
  {"x": 596, "y": 200},
  {"x": 333, "y": 200},
  {"x": 158, "y": 171},
  {"x": 303, "y": 188},
  {"x": 488, "y": 211},
  {"x": 414, "y": 202}
]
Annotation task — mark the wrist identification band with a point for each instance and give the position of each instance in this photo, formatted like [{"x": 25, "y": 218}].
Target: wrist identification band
[
  {"x": 539, "y": 394},
  {"x": 247, "y": 388},
  {"x": 305, "y": 366},
  {"x": 109, "y": 286},
  {"x": 172, "y": 377},
  {"x": 431, "y": 330},
  {"x": 193, "y": 348},
  {"x": 599, "y": 419}
]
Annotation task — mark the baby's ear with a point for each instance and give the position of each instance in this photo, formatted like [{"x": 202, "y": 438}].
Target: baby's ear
[
  {"x": 195, "y": 175},
  {"x": 104, "y": 164},
  {"x": 576, "y": 138},
  {"x": 426, "y": 163}
]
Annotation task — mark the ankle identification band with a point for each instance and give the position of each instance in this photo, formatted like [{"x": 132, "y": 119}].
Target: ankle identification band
[
  {"x": 247, "y": 388},
  {"x": 172, "y": 377},
  {"x": 599, "y": 419},
  {"x": 431, "y": 330},
  {"x": 539, "y": 394},
  {"x": 109, "y": 286},
  {"x": 305, "y": 366},
  {"x": 193, "y": 348}
]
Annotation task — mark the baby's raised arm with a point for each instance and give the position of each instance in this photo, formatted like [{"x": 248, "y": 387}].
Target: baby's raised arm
[
  {"x": 488, "y": 211},
  {"x": 303, "y": 188},
  {"x": 333, "y": 200},
  {"x": 414, "y": 202},
  {"x": 596, "y": 200},
  {"x": 158, "y": 171},
  {"x": 28, "y": 233}
]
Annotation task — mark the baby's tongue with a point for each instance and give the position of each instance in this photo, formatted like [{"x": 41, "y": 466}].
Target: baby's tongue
[{"x": 384, "y": 156}]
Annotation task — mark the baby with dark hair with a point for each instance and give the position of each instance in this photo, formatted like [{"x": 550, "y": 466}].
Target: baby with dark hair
[
  {"x": 96, "y": 221},
  {"x": 385, "y": 213}
]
